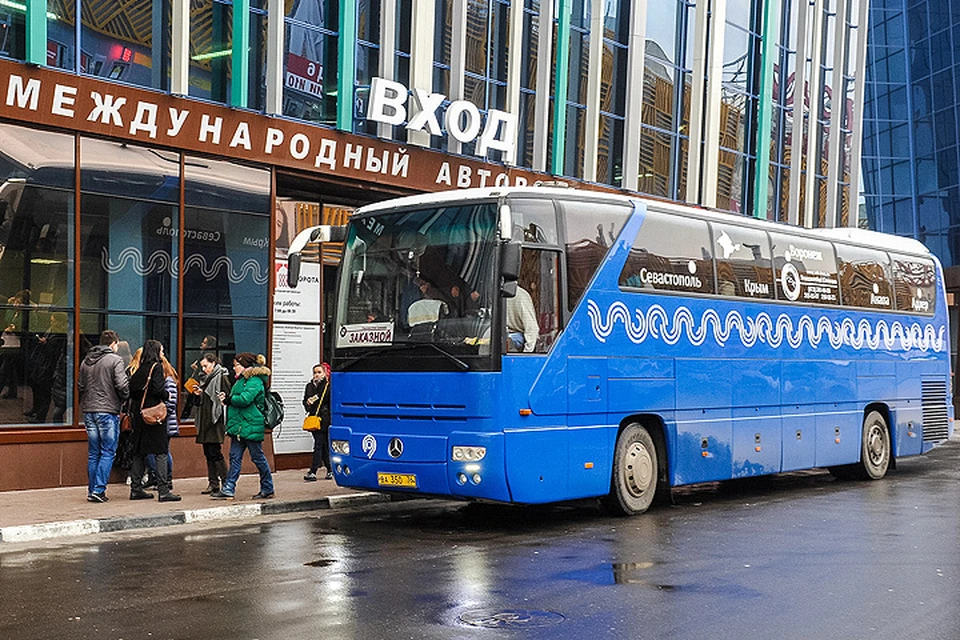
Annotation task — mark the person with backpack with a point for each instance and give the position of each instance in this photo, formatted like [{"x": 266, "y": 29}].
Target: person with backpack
[{"x": 246, "y": 424}]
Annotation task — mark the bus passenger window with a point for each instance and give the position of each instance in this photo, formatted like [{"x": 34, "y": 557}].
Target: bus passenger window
[
  {"x": 670, "y": 253},
  {"x": 744, "y": 268},
  {"x": 533, "y": 316},
  {"x": 534, "y": 220},
  {"x": 915, "y": 283},
  {"x": 864, "y": 277},
  {"x": 806, "y": 270},
  {"x": 591, "y": 229}
]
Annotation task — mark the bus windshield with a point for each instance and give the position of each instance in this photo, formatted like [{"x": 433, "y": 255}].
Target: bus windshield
[{"x": 418, "y": 283}]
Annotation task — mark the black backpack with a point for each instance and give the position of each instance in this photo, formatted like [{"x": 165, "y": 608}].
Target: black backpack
[{"x": 272, "y": 410}]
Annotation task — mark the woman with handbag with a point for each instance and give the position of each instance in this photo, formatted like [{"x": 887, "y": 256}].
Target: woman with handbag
[
  {"x": 316, "y": 401},
  {"x": 147, "y": 395}
]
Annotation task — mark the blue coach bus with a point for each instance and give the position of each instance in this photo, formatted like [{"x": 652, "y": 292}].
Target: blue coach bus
[{"x": 542, "y": 344}]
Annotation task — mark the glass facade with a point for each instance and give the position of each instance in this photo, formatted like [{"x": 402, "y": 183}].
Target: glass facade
[
  {"x": 911, "y": 167},
  {"x": 129, "y": 263},
  {"x": 475, "y": 39}
]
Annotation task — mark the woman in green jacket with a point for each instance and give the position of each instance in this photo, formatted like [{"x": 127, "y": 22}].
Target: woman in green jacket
[{"x": 245, "y": 424}]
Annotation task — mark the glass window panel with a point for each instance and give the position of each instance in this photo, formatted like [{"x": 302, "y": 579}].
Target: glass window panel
[
  {"x": 36, "y": 364},
  {"x": 591, "y": 228},
  {"x": 30, "y": 156},
  {"x": 534, "y": 220},
  {"x": 219, "y": 184},
  {"x": 670, "y": 253},
  {"x": 806, "y": 270},
  {"x": 128, "y": 254},
  {"x": 224, "y": 337},
  {"x": 864, "y": 277},
  {"x": 133, "y": 329},
  {"x": 915, "y": 282},
  {"x": 310, "y": 73},
  {"x": 539, "y": 292},
  {"x": 126, "y": 41},
  {"x": 226, "y": 263},
  {"x": 118, "y": 168},
  {"x": 211, "y": 42},
  {"x": 13, "y": 33},
  {"x": 744, "y": 268}
]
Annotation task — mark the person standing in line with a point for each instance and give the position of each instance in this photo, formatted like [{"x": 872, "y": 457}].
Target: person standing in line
[
  {"x": 211, "y": 417},
  {"x": 103, "y": 386},
  {"x": 147, "y": 389},
  {"x": 245, "y": 424},
  {"x": 171, "y": 382},
  {"x": 316, "y": 401},
  {"x": 196, "y": 377}
]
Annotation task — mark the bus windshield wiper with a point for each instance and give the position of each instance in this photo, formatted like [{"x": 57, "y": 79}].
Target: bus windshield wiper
[{"x": 407, "y": 346}]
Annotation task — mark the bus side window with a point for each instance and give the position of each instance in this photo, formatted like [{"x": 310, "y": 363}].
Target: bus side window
[
  {"x": 915, "y": 283},
  {"x": 806, "y": 270},
  {"x": 670, "y": 253},
  {"x": 864, "y": 277},
  {"x": 744, "y": 268},
  {"x": 533, "y": 315},
  {"x": 591, "y": 229}
]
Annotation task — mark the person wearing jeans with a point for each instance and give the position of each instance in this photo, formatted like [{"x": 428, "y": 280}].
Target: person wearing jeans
[
  {"x": 104, "y": 387},
  {"x": 245, "y": 424},
  {"x": 103, "y": 432}
]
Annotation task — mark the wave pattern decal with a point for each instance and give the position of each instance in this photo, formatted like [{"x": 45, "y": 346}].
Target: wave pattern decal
[
  {"x": 160, "y": 261},
  {"x": 656, "y": 324}
]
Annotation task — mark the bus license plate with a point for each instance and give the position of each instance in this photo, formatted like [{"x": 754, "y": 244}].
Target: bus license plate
[{"x": 407, "y": 480}]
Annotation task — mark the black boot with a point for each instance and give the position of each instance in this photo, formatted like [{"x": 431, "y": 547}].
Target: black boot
[{"x": 213, "y": 479}]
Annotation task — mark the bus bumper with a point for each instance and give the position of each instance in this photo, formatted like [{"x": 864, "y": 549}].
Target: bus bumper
[{"x": 482, "y": 479}]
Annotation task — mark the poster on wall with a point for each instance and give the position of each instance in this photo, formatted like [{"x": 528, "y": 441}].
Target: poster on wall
[
  {"x": 296, "y": 348},
  {"x": 301, "y": 304}
]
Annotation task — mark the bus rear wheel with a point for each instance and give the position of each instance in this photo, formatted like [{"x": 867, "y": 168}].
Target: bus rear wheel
[
  {"x": 874, "y": 448},
  {"x": 635, "y": 472}
]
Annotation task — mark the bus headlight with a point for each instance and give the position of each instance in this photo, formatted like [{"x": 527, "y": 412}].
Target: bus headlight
[
  {"x": 468, "y": 454},
  {"x": 340, "y": 446}
]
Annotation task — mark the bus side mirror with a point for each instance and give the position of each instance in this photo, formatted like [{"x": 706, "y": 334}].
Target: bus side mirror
[
  {"x": 293, "y": 270},
  {"x": 321, "y": 233},
  {"x": 509, "y": 268}
]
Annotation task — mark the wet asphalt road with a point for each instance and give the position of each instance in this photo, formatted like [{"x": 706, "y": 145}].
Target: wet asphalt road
[{"x": 798, "y": 556}]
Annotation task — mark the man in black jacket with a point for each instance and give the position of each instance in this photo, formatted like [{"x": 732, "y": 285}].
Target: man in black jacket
[{"x": 104, "y": 386}]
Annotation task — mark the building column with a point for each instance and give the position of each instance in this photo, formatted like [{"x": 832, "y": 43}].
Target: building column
[
  {"x": 591, "y": 142},
  {"x": 856, "y": 125},
  {"x": 514, "y": 60},
  {"x": 544, "y": 69},
  {"x": 388, "y": 53},
  {"x": 698, "y": 105},
  {"x": 797, "y": 151},
  {"x": 837, "y": 106},
  {"x": 240, "y": 54},
  {"x": 812, "y": 152},
  {"x": 36, "y": 27},
  {"x": 458, "y": 60},
  {"x": 421, "y": 62},
  {"x": 633, "y": 120},
  {"x": 710, "y": 139},
  {"x": 768, "y": 55},
  {"x": 274, "y": 79},
  {"x": 347, "y": 73},
  {"x": 180, "y": 48},
  {"x": 559, "y": 141}
]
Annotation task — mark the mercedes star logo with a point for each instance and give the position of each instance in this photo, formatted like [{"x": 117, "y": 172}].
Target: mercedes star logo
[{"x": 395, "y": 448}]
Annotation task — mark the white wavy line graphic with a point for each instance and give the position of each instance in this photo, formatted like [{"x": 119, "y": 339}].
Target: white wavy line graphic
[
  {"x": 160, "y": 261},
  {"x": 656, "y": 324}
]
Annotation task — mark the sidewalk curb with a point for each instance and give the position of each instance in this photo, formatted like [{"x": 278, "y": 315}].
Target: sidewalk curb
[{"x": 220, "y": 513}]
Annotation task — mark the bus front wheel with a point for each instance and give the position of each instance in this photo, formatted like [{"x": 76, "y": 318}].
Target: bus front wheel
[
  {"x": 635, "y": 472},
  {"x": 874, "y": 447}
]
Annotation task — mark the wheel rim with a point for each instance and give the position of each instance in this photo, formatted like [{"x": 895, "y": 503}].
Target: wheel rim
[
  {"x": 638, "y": 470},
  {"x": 876, "y": 445}
]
